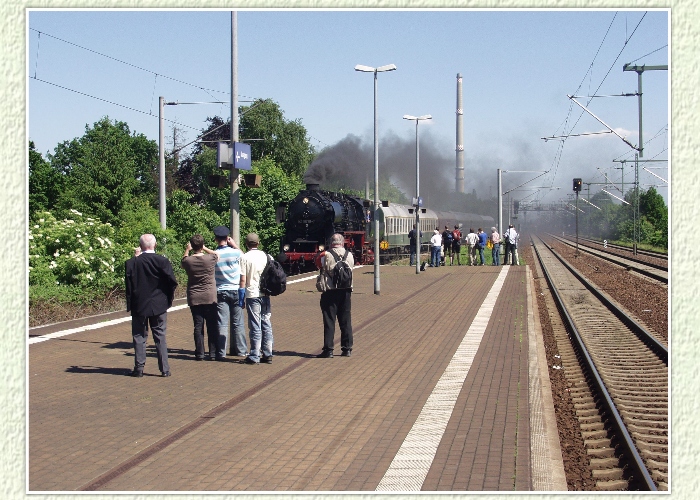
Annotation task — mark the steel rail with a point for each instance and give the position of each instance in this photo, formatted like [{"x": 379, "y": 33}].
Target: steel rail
[
  {"x": 613, "y": 258},
  {"x": 642, "y": 333},
  {"x": 635, "y": 460},
  {"x": 648, "y": 253}
]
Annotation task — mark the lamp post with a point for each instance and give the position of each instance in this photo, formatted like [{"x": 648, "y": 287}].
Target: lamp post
[
  {"x": 369, "y": 69},
  {"x": 417, "y": 203}
]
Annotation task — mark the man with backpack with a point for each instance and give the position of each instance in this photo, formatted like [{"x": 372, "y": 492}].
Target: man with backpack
[
  {"x": 447, "y": 245},
  {"x": 257, "y": 302},
  {"x": 336, "y": 290}
]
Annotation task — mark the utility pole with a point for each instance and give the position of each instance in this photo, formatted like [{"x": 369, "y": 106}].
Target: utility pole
[
  {"x": 639, "y": 70},
  {"x": 161, "y": 162},
  {"x": 635, "y": 207},
  {"x": 499, "y": 184},
  {"x": 233, "y": 174}
]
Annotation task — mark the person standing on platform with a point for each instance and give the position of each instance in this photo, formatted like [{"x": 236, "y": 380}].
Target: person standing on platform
[
  {"x": 456, "y": 246},
  {"x": 336, "y": 296},
  {"x": 436, "y": 245},
  {"x": 496, "y": 241},
  {"x": 257, "y": 303},
  {"x": 447, "y": 245},
  {"x": 412, "y": 243},
  {"x": 472, "y": 240},
  {"x": 506, "y": 245},
  {"x": 201, "y": 294},
  {"x": 511, "y": 237},
  {"x": 228, "y": 294},
  {"x": 150, "y": 290},
  {"x": 482, "y": 245}
]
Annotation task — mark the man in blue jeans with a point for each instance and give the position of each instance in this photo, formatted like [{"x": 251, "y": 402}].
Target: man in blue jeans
[
  {"x": 496, "y": 251},
  {"x": 435, "y": 247},
  {"x": 482, "y": 245},
  {"x": 257, "y": 303},
  {"x": 228, "y": 291}
]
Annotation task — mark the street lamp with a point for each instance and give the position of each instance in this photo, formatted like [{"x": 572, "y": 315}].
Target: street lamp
[
  {"x": 369, "y": 69},
  {"x": 417, "y": 202}
]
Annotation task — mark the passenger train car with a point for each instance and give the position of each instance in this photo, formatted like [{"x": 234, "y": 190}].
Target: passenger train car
[
  {"x": 314, "y": 215},
  {"x": 395, "y": 221}
]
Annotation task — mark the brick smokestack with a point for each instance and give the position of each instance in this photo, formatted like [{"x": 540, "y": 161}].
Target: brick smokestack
[{"x": 459, "y": 178}]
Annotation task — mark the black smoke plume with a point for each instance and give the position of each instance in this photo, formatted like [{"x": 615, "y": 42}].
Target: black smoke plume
[{"x": 349, "y": 164}]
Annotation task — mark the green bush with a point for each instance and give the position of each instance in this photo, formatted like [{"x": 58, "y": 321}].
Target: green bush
[{"x": 78, "y": 251}]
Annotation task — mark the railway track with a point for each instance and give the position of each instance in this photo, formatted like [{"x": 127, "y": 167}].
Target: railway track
[
  {"x": 618, "y": 380},
  {"x": 620, "y": 249},
  {"x": 651, "y": 267}
]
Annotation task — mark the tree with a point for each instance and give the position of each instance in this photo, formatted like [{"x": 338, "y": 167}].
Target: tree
[
  {"x": 652, "y": 206},
  {"x": 272, "y": 136},
  {"x": 105, "y": 170},
  {"x": 185, "y": 219},
  {"x": 653, "y": 211},
  {"x": 258, "y": 205},
  {"x": 599, "y": 222},
  {"x": 45, "y": 183}
]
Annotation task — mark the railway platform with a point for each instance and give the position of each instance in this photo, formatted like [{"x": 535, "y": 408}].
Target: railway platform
[{"x": 447, "y": 389}]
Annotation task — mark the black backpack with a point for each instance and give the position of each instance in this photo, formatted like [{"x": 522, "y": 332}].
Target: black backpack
[
  {"x": 273, "y": 280},
  {"x": 342, "y": 274}
]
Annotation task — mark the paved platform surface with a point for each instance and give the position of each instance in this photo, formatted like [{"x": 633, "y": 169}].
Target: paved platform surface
[{"x": 446, "y": 390}]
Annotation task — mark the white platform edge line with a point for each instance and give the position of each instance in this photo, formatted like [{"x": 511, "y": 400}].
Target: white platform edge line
[{"x": 410, "y": 466}]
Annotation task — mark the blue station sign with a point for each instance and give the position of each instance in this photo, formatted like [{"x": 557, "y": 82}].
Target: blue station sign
[{"x": 241, "y": 156}]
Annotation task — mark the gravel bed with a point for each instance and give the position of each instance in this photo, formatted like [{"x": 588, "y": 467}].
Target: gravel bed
[
  {"x": 579, "y": 476},
  {"x": 645, "y": 299}
]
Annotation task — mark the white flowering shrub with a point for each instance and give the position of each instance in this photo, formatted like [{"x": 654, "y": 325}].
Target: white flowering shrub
[{"x": 77, "y": 251}]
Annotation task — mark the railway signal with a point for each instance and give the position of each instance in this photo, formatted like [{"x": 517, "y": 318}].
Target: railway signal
[
  {"x": 577, "y": 189},
  {"x": 577, "y": 185}
]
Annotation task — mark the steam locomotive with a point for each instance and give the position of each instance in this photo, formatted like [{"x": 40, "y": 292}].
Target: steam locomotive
[
  {"x": 312, "y": 218},
  {"x": 314, "y": 215}
]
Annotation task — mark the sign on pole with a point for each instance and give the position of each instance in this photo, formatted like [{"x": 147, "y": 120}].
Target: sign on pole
[
  {"x": 241, "y": 156},
  {"x": 238, "y": 157}
]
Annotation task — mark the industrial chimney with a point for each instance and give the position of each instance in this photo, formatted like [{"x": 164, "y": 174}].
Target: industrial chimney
[{"x": 459, "y": 179}]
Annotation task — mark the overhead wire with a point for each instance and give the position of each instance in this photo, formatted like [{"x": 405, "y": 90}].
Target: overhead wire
[
  {"x": 650, "y": 53},
  {"x": 110, "y": 102},
  {"x": 204, "y": 89},
  {"x": 133, "y": 65},
  {"x": 560, "y": 148},
  {"x": 612, "y": 65},
  {"x": 627, "y": 39}
]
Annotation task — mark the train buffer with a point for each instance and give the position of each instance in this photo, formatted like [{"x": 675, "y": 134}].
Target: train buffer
[{"x": 446, "y": 390}]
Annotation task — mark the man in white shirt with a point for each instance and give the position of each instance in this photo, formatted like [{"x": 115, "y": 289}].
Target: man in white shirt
[
  {"x": 511, "y": 245},
  {"x": 472, "y": 240},
  {"x": 436, "y": 246},
  {"x": 257, "y": 303}
]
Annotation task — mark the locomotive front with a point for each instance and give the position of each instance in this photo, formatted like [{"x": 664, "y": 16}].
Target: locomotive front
[{"x": 312, "y": 218}]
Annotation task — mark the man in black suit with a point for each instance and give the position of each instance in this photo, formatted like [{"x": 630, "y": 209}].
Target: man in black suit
[{"x": 150, "y": 289}]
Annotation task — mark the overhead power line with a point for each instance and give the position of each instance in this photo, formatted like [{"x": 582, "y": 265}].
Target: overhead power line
[
  {"x": 110, "y": 102},
  {"x": 133, "y": 65}
]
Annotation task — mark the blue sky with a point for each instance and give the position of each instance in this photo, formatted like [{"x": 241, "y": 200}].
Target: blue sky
[{"x": 518, "y": 67}]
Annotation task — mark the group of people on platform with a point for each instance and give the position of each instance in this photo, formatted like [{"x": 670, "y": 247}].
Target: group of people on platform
[
  {"x": 448, "y": 244},
  {"x": 220, "y": 284}
]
